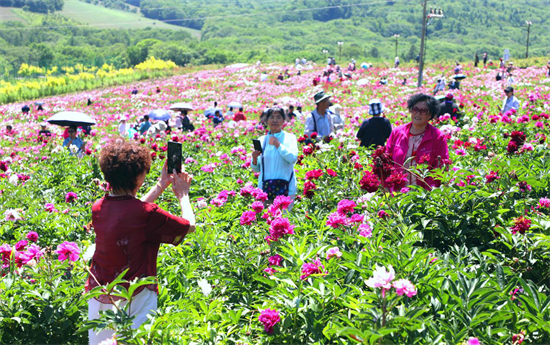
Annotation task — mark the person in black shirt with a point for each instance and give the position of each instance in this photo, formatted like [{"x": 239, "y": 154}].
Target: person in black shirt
[
  {"x": 376, "y": 130},
  {"x": 44, "y": 131},
  {"x": 448, "y": 107}
]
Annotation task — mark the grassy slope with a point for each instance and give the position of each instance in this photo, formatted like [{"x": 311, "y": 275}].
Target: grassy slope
[
  {"x": 106, "y": 18},
  {"x": 6, "y": 14}
]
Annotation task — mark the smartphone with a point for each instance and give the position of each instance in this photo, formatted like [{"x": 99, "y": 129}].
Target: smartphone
[
  {"x": 174, "y": 156},
  {"x": 257, "y": 145}
]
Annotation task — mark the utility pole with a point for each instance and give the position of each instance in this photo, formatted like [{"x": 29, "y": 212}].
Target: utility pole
[
  {"x": 528, "y": 23},
  {"x": 396, "y": 43},
  {"x": 422, "y": 37},
  {"x": 340, "y": 44},
  {"x": 434, "y": 13}
]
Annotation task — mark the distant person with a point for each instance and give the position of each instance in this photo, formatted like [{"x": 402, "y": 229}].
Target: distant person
[
  {"x": 239, "y": 115},
  {"x": 351, "y": 66},
  {"x": 376, "y": 130},
  {"x": 123, "y": 128},
  {"x": 440, "y": 85},
  {"x": 25, "y": 109},
  {"x": 298, "y": 112},
  {"x": 417, "y": 58},
  {"x": 458, "y": 68},
  {"x": 89, "y": 102},
  {"x": 548, "y": 69},
  {"x": 291, "y": 113},
  {"x": 186, "y": 124},
  {"x": 280, "y": 77},
  {"x": 502, "y": 64},
  {"x": 499, "y": 76},
  {"x": 158, "y": 90},
  {"x": 320, "y": 121},
  {"x": 485, "y": 60},
  {"x": 337, "y": 120},
  {"x": 9, "y": 130},
  {"x": 383, "y": 81},
  {"x": 40, "y": 108},
  {"x": 134, "y": 91},
  {"x": 73, "y": 140},
  {"x": 218, "y": 118},
  {"x": 145, "y": 125},
  {"x": 263, "y": 76},
  {"x": 510, "y": 102},
  {"x": 230, "y": 112},
  {"x": 510, "y": 81},
  {"x": 44, "y": 130},
  {"x": 448, "y": 107},
  {"x": 476, "y": 60},
  {"x": 396, "y": 62},
  {"x": 454, "y": 84},
  {"x": 404, "y": 82}
]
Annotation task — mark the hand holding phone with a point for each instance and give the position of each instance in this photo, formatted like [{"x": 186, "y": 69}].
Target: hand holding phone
[
  {"x": 174, "y": 157},
  {"x": 257, "y": 145}
]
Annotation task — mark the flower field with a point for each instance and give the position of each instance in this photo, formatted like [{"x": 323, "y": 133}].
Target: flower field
[{"x": 352, "y": 263}]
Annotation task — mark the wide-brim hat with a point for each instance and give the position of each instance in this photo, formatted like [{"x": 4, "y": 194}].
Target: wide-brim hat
[
  {"x": 509, "y": 89},
  {"x": 376, "y": 107},
  {"x": 321, "y": 96}
]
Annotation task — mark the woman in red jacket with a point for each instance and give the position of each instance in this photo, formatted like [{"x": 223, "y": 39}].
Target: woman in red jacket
[{"x": 419, "y": 140}]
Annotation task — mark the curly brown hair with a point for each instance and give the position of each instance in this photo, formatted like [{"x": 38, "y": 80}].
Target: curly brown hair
[{"x": 122, "y": 162}]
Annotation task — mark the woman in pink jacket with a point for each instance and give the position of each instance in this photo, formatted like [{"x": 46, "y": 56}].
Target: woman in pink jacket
[{"x": 419, "y": 140}]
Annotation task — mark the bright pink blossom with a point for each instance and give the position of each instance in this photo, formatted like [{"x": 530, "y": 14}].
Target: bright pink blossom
[
  {"x": 381, "y": 278},
  {"x": 248, "y": 217},
  {"x": 68, "y": 250},
  {"x": 404, "y": 287},
  {"x": 280, "y": 227},
  {"x": 70, "y": 197},
  {"x": 311, "y": 268},
  {"x": 346, "y": 206},
  {"x": 269, "y": 318},
  {"x": 336, "y": 219},
  {"x": 334, "y": 252},
  {"x": 275, "y": 260},
  {"x": 32, "y": 236}
]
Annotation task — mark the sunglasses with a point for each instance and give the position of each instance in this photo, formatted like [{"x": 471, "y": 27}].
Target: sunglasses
[{"x": 421, "y": 111}]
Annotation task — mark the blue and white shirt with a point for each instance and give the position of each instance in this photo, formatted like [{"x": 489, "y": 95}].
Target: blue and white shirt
[
  {"x": 279, "y": 162},
  {"x": 324, "y": 124},
  {"x": 509, "y": 104}
]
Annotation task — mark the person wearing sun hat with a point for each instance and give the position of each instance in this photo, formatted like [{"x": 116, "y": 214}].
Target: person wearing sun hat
[
  {"x": 320, "y": 121},
  {"x": 510, "y": 102},
  {"x": 376, "y": 130}
]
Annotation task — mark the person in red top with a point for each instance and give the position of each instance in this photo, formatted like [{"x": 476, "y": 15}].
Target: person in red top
[
  {"x": 239, "y": 116},
  {"x": 129, "y": 231}
]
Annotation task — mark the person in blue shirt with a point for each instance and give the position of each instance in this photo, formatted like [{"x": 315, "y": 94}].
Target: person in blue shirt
[
  {"x": 218, "y": 118},
  {"x": 320, "y": 120},
  {"x": 510, "y": 102},
  {"x": 280, "y": 152},
  {"x": 73, "y": 140},
  {"x": 145, "y": 125}
]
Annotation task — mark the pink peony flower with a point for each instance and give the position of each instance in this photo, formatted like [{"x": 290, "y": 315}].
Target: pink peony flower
[
  {"x": 334, "y": 252},
  {"x": 248, "y": 217},
  {"x": 356, "y": 218},
  {"x": 314, "y": 174},
  {"x": 336, "y": 219},
  {"x": 282, "y": 202},
  {"x": 332, "y": 173},
  {"x": 33, "y": 252},
  {"x": 311, "y": 268},
  {"x": 365, "y": 230},
  {"x": 280, "y": 227},
  {"x": 50, "y": 207},
  {"x": 270, "y": 270},
  {"x": 68, "y": 250},
  {"x": 382, "y": 214},
  {"x": 275, "y": 260},
  {"x": 13, "y": 215},
  {"x": 32, "y": 236},
  {"x": 19, "y": 246},
  {"x": 269, "y": 317},
  {"x": 544, "y": 202},
  {"x": 346, "y": 206},
  {"x": 257, "y": 206},
  {"x": 473, "y": 341},
  {"x": 70, "y": 197},
  {"x": 403, "y": 286},
  {"x": 381, "y": 278}
]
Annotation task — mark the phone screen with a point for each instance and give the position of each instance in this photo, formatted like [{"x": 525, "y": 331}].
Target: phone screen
[
  {"x": 174, "y": 156},
  {"x": 257, "y": 145}
]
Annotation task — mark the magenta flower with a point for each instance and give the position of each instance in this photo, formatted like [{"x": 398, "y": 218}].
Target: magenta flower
[
  {"x": 5, "y": 255},
  {"x": 544, "y": 202},
  {"x": 51, "y": 207},
  {"x": 356, "y": 218},
  {"x": 336, "y": 219},
  {"x": 270, "y": 271},
  {"x": 257, "y": 206},
  {"x": 70, "y": 197},
  {"x": 248, "y": 217},
  {"x": 32, "y": 236},
  {"x": 33, "y": 252},
  {"x": 381, "y": 278},
  {"x": 275, "y": 260},
  {"x": 365, "y": 230},
  {"x": 383, "y": 214},
  {"x": 269, "y": 317},
  {"x": 311, "y": 268},
  {"x": 404, "y": 287},
  {"x": 473, "y": 341},
  {"x": 334, "y": 252},
  {"x": 282, "y": 202},
  {"x": 19, "y": 246},
  {"x": 280, "y": 227},
  {"x": 346, "y": 206},
  {"x": 68, "y": 250}
]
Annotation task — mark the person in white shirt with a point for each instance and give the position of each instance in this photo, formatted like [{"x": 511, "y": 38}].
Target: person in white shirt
[
  {"x": 510, "y": 81},
  {"x": 320, "y": 120},
  {"x": 337, "y": 120},
  {"x": 396, "y": 61},
  {"x": 123, "y": 127},
  {"x": 510, "y": 102}
]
